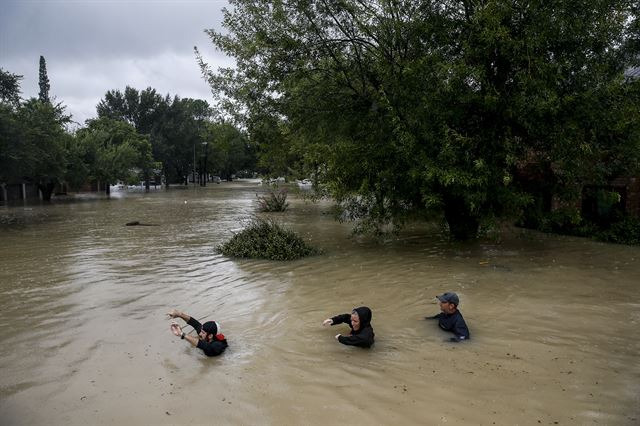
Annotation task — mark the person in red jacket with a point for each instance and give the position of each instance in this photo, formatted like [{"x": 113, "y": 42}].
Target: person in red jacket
[
  {"x": 209, "y": 338},
  {"x": 360, "y": 322}
]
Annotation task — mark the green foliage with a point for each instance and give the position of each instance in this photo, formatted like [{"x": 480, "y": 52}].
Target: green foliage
[
  {"x": 181, "y": 131},
  {"x": 9, "y": 88},
  {"x": 229, "y": 150},
  {"x": 33, "y": 138},
  {"x": 137, "y": 135},
  {"x": 10, "y": 152},
  {"x": 274, "y": 201},
  {"x": 569, "y": 221},
  {"x": 40, "y": 146},
  {"x": 408, "y": 107},
  {"x": 113, "y": 149},
  {"x": 564, "y": 221},
  {"x": 267, "y": 240},
  {"x": 626, "y": 231},
  {"x": 43, "y": 82}
]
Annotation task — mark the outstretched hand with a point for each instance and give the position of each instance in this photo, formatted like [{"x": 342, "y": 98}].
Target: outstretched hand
[
  {"x": 176, "y": 329},
  {"x": 173, "y": 313},
  {"x": 328, "y": 321}
]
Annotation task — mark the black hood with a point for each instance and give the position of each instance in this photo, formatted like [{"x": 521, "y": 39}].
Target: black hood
[
  {"x": 210, "y": 327},
  {"x": 365, "y": 316}
]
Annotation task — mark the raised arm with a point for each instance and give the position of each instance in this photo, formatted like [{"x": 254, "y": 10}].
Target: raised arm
[
  {"x": 174, "y": 313},
  {"x": 341, "y": 319},
  {"x": 177, "y": 330}
]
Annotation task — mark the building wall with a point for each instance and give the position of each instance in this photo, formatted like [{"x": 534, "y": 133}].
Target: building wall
[
  {"x": 14, "y": 192},
  {"x": 632, "y": 186}
]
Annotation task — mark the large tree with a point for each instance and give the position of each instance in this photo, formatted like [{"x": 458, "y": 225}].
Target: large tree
[
  {"x": 144, "y": 109},
  {"x": 9, "y": 88},
  {"x": 112, "y": 151},
  {"x": 41, "y": 144},
  {"x": 43, "y": 81},
  {"x": 9, "y": 126},
  {"x": 33, "y": 138},
  {"x": 174, "y": 125},
  {"x": 228, "y": 150},
  {"x": 403, "y": 107}
]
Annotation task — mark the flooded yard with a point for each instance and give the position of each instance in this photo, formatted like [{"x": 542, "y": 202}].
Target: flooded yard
[{"x": 554, "y": 321}]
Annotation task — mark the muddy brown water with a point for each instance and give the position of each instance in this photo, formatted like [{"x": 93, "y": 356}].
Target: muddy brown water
[{"x": 85, "y": 340}]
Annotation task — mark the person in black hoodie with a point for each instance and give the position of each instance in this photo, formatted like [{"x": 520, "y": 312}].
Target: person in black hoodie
[
  {"x": 450, "y": 319},
  {"x": 360, "y": 322},
  {"x": 209, "y": 339}
]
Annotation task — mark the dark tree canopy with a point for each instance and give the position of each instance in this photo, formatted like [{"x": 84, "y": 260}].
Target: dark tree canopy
[
  {"x": 9, "y": 88},
  {"x": 43, "y": 81},
  {"x": 138, "y": 135},
  {"x": 406, "y": 107}
]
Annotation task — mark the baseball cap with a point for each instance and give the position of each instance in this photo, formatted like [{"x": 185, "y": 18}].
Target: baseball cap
[{"x": 449, "y": 297}]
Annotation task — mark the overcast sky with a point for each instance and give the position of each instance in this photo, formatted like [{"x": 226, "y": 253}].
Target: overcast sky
[{"x": 92, "y": 46}]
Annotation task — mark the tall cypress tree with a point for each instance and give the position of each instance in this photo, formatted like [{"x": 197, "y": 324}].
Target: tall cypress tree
[{"x": 43, "y": 81}]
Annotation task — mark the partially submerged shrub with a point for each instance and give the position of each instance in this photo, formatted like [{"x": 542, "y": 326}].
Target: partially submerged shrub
[
  {"x": 625, "y": 230},
  {"x": 267, "y": 240},
  {"x": 274, "y": 201}
]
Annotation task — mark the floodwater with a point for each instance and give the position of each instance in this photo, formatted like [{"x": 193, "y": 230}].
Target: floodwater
[{"x": 85, "y": 339}]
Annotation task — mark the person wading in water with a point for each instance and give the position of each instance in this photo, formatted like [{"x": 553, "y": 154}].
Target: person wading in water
[
  {"x": 360, "y": 322},
  {"x": 450, "y": 319},
  {"x": 209, "y": 338}
]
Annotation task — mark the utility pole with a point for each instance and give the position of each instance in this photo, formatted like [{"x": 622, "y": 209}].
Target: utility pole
[
  {"x": 194, "y": 165},
  {"x": 206, "y": 175}
]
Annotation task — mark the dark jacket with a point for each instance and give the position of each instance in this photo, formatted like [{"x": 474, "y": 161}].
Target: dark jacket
[
  {"x": 212, "y": 348},
  {"x": 364, "y": 336},
  {"x": 454, "y": 323}
]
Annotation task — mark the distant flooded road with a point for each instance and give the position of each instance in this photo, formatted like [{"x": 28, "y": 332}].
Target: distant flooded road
[{"x": 85, "y": 339}]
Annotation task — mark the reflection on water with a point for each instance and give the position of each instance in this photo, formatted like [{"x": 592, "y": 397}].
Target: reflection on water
[{"x": 85, "y": 340}]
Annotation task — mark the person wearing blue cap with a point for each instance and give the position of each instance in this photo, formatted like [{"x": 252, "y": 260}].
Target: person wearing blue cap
[
  {"x": 209, "y": 338},
  {"x": 450, "y": 319}
]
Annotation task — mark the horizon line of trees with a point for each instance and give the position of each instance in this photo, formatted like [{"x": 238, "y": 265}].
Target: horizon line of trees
[{"x": 136, "y": 136}]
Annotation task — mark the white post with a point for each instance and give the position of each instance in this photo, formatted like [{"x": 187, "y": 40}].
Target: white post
[{"x": 24, "y": 191}]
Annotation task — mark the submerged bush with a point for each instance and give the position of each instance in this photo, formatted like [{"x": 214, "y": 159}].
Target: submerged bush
[
  {"x": 274, "y": 201},
  {"x": 568, "y": 221},
  {"x": 626, "y": 231},
  {"x": 267, "y": 240}
]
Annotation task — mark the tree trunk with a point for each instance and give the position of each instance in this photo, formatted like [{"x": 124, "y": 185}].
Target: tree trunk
[
  {"x": 46, "y": 190},
  {"x": 463, "y": 224},
  {"x": 107, "y": 189}
]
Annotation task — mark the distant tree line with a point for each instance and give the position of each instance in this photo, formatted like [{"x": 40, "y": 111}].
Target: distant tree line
[{"x": 136, "y": 136}]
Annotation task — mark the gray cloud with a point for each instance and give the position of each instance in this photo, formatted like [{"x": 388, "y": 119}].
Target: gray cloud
[{"x": 95, "y": 46}]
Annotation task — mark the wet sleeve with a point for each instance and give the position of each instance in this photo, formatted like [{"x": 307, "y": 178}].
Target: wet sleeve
[
  {"x": 195, "y": 324},
  {"x": 363, "y": 339},
  {"x": 211, "y": 348},
  {"x": 341, "y": 319},
  {"x": 460, "y": 330}
]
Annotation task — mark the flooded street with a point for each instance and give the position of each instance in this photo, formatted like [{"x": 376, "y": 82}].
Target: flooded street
[{"x": 85, "y": 340}]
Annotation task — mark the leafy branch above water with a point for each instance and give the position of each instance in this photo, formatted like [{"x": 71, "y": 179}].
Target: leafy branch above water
[
  {"x": 274, "y": 201},
  {"x": 264, "y": 239}
]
